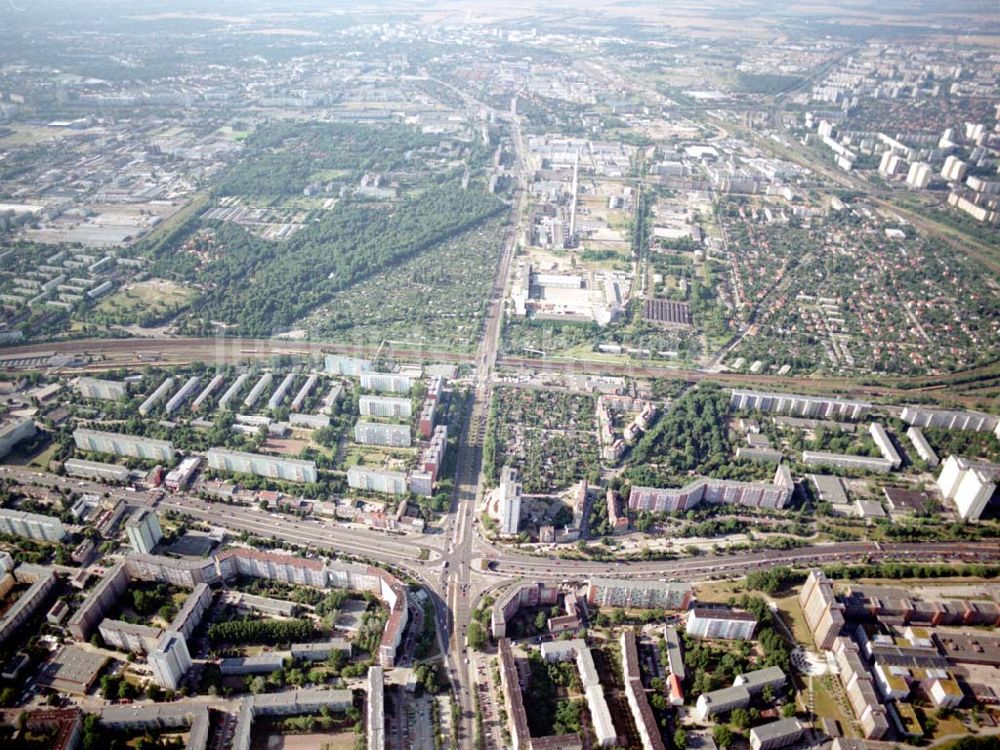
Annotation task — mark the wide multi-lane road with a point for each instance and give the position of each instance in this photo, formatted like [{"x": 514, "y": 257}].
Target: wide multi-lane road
[{"x": 509, "y": 564}]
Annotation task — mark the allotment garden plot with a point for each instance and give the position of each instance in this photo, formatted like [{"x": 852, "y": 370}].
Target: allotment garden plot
[{"x": 550, "y": 436}]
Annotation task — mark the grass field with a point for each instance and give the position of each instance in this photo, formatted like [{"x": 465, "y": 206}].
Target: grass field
[
  {"x": 718, "y": 591},
  {"x": 314, "y": 741},
  {"x": 829, "y": 700},
  {"x": 42, "y": 459},
  {"x": 23, "y": 135},
  {"x": 235, "y": 135},
  {"x": 791, "y": 614},
  {"x": 155, "y": 297}
]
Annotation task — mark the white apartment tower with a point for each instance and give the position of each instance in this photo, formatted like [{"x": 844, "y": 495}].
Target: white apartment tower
[
  {"x": 970, "y": 484},
  {"x": 170, "y": 660},
  {"x": 919, "y": 175},
  {"x": 509, "y": 503},
  {"x": 890, "y": 163},
  {"x": 143, "y": 530},
  {"x": 954, "y": 169}
]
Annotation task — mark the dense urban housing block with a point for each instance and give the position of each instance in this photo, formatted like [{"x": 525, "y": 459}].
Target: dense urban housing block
[
  {"x": 823, "y": 613},
  {"x": 638, "y": 703},
  {"x": 128, "y": 446},
  {"x": 103, "y": 390},
  {"x": 797, "y": 405},
  {"x": 274, "y": 467},
  {"x": 715, "y": 491},
  {"x": 721, "y": 622},
  {"x": 638, "y": 594}
]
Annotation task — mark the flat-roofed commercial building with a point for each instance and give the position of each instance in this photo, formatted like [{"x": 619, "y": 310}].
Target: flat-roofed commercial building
[
  {"x": 180, "y": 477},
  {"x": 72, "y": 670},
  {"x": 130, "y": 446},
  {"x": 273, "y": 467},
  {"x": 103, "y": 390}
]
